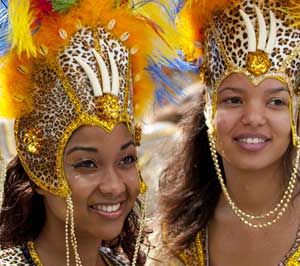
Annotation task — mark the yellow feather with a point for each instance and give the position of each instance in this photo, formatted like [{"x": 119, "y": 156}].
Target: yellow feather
[
  {"x": 21, "y": 19},
  {"x": 159, "y": 13}
]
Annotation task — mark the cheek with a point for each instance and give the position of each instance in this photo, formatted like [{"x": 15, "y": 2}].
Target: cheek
[
  {"x": 224, "y": 121},
  {"x": 282, "y": 125},
  {"x": 81, "y": 185}
]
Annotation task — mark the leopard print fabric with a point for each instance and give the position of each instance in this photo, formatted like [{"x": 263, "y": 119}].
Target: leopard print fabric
[
  {"x": 20, "y": 256},
  {"x": 114, "y": 259},
  {"x": 226, "y": 45},
  {"x": 62, "y": 95},
  {"x": 13, "y": 256},
  {"x": 227, "y": 39}
]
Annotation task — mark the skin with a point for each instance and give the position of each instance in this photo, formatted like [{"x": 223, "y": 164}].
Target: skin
[
  {"x": 101, "y": 170},
  {"x": 255, "y": 176}
]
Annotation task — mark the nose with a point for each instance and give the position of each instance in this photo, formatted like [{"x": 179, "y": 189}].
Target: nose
[
  {"x": 112, "y": 183},
  {"x": 253, "y": 114}
]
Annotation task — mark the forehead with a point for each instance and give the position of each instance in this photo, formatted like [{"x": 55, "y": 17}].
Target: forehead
[
  {"x": 244, "y": 82},
  {"x": 95, "y": 135}
]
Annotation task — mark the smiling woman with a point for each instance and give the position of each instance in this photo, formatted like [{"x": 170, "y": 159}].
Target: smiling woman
[
  {"x": 236, "y": 195},
  {"x": 75, "y": 76}
]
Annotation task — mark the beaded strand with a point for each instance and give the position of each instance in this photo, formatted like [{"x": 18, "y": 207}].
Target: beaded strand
[{"x": 280, "y": 208}]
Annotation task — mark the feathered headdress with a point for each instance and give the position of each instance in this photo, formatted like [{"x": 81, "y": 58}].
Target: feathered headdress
[
  {"x": 33, "y": 29},
  {"x": 70, "y": 63}
]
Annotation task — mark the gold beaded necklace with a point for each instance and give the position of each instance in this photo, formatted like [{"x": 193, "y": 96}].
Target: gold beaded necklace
[
  {"x": 36, "y": 259},
  {"x": 246, "y": 218}
]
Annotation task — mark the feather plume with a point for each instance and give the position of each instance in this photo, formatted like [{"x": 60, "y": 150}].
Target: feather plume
[
  {"x": 21, "y": 19},
  {"x": 41, "y": 8},
  {"x": 4, "y": 43},
  {"x": 63, "y": 5},
  {"x": 137, "y": 21},
  {"x": 191, "y": 23}
]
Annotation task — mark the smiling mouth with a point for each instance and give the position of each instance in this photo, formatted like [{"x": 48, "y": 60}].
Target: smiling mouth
[
  {"x": 252, "y": 140},
  {"x": 107, "y": 208}
]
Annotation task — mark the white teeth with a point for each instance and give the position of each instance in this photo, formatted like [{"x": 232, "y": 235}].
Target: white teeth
[
  {"x": 107, "y": 208},
  {"x": 252, "y": 140}
]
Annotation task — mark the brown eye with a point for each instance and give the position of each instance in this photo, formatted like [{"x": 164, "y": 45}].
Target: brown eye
[
  {"x": 233, "y": 100},
  {"x": 85, "y": 164},
  {"x": 128, "y": 160},
  {"x": 277, "y": 102}
]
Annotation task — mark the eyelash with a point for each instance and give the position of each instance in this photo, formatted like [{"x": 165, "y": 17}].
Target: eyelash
[
  {"x": 229, "y": 100},
  {"x": 83, "y": 164},
  {"x": 232, "y": 100},
  {"x": 125, "y": 162},
  {"x": 133, "y": 159},
  {"x": 280, "y": 101}
]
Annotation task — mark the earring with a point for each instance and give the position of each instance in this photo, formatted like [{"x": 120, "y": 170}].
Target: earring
[
  {"x": 143, "y": 190},
  {"x": 295, "y": 137},
  {"x": 2, "y": 173},
  {"x": 143, "y": 186},
  {"x": 70, "y": 228}
]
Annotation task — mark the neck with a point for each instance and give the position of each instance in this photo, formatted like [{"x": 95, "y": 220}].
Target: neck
[
  {"x": 256, "y": 191},
  {"x": 51, "y": 247}
]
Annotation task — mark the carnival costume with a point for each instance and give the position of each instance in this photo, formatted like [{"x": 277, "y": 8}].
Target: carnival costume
[
  {"x": 259, "y": 39},
  {"x": 66, "y": 64}
]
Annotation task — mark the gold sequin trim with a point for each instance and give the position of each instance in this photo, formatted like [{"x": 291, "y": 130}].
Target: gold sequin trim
[
  {"x": 294, "y": 260},
  {"x": 33, "y": 140},
  {"x": 108, "y": 108},
  {"x": 33, "y": 254},
  {"x": 199, "y": 250},
  {"x": 137, "y": 135},
  {"x": 63, "y": 188},
  {"x": 258, "y": 63}
]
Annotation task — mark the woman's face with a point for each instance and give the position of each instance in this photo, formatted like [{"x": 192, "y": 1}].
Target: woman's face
[
  {"x": 252, "y": 122},
  {"x": 101, "y": 170}
]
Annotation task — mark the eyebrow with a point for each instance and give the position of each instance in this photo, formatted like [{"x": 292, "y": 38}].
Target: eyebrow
[
  {"x": 276, "y": 90},
  {"x": 82, "y": 148},
  {"x": 126, "y": 145},
  {"x": 94, "y": 150},
  {"x": 240, "y": 90},
  {"x": 230, "y": 89}
]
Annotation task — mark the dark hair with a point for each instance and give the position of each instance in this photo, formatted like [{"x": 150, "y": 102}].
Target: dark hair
[
  {"x": 23, "y": 214},
  {"x": 189, "y": 186}
]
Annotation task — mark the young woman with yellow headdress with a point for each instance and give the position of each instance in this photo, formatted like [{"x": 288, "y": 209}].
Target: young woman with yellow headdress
[
  {"x": 230, "y": 196},
  {"x": 74, "y": 77}
]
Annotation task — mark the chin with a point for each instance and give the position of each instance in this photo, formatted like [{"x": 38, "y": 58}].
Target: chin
[
  {"x": 108, "y": 236},
  {"x": 107, "y": 232}
]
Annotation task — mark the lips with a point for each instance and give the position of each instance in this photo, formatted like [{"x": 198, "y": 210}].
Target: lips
[
  {"x": 110, "y": 211},
  {"x": 108, "y": 208},
  {"x": 251, "y": 142}
]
